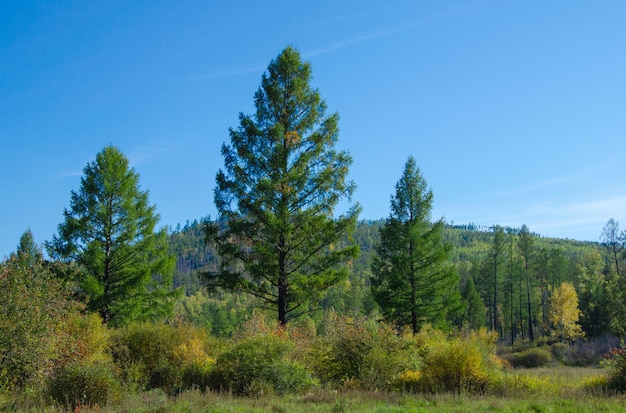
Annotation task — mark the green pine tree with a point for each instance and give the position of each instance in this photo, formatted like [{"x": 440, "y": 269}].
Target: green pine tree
[
  {"x": 282, "y": 179},
  {"x": 109, "y": 232},
  {"x": 412, "y": 280},
  {"x": 474, "y": 306}
]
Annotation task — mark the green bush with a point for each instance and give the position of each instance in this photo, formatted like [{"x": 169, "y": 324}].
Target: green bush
[
  {"x": 559, "y": 351},
  {"x": 197, "y": 376},
  {"x": 153, "y": 355},
  {"x": 260, "y": 365},
  {"x": 534, "y": 357},
  {"x": 83, "y": 385},
  {"x": 32, "y": 309},
  {"x": 361, "y": 353}
]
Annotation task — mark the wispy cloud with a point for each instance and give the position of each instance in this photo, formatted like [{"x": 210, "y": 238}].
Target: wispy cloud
[
  {"x": 442, "y": 15},
  {"x": 146, "y": 153},
  {"x": 578, "y": 219},
  {"x": 411, "y": 25},
  {"x": 547, "y": 183},
  {"x": 222, "y": 75},
  {"x": 584, "y": 175},
  {"x": 67, "y": 174}
]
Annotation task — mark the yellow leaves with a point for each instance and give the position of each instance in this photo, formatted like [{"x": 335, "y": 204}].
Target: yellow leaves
[
  {"x": 408, "y": 380},
  {"x": 564, "y": 313},
  {"x": 292, "y": 138},
  {"x": 191, "y": 351},
  {"x": 283, "y": 188}
]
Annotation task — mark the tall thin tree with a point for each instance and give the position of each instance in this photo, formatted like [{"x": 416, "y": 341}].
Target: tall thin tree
[{"x": 526, "y": 244}]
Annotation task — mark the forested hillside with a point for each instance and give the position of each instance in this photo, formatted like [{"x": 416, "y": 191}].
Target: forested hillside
[{"x": 554, "y": 261}]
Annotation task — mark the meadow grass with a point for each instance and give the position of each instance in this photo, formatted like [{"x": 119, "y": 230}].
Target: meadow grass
[{"x": 552, "y": 389}]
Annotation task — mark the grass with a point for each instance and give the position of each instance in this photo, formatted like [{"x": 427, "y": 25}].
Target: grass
[{"x": 560, "y": 389}]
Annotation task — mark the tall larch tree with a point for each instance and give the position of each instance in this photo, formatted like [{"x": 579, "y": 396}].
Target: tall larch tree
[
  {"x": 413, "y": 281},
  {"x": 474, "y": 307},
  {"x": 594, "y": 298},
  {"x": 526, "y": 244},
  {"x": 495, "y": 263},
  {"x": 276, "y": 196},
  {"x": 614, "y": 243},
  {"x": 109, "y": 233}
]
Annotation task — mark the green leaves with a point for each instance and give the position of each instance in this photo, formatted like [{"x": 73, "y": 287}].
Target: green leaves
[
  {"x": 109, "y": 232},
  {"x": 412, "y": 282},
  {"x": 277, "y": 192}
]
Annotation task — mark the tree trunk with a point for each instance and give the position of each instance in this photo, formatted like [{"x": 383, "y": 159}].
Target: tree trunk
[
  {"x": 530, "y": 320},
  {"x": 282, "y": 303}
]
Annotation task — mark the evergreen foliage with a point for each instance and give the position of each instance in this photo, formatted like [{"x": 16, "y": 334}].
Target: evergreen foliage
[
  {"x": 413, "y": 282},
  {"x": 282, "y": 179},
  {"x": 109, "y": 232},
  {"x": 474, "y": 307}
]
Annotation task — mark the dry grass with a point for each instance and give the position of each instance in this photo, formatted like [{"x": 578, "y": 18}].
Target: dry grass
[{"x": 557, "y": 389}]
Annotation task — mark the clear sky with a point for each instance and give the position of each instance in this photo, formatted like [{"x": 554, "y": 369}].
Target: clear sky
[{"x": 515, "y": 111}]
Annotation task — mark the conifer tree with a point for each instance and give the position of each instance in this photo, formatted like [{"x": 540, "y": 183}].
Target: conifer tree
[
  {"x": 526, "y": 244},
  {"x": 412, "y": 280},
  {"x": 276, "y": 232},
  {"x": 474, "y": 306},
  {"x": 109, "y": 233}
]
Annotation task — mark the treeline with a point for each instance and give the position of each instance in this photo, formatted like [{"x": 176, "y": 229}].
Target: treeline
[{"x": 491, "y": 261}]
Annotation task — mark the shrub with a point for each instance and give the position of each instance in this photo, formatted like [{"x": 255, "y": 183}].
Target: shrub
[
  {"x": 617, "y": 360},
  {"x": 534, "y": 357},
  {"x": 83, "y": 385},
  {"x": 408, "y": 381},
  {"x": 260, "y": 365},
  {"x": 197, "y": 376},
  {"x": 463, "y": 364},
  {"x": 360, "y": 353},
  {"x": 589, "y": 352},
  {"x": 85, "y": 340},
  {"x": 153, "y": 355},
  {"x": 455, "y": 367},
  {"x": 32, "y": 309},
  {"x": 559, "y": 351}
]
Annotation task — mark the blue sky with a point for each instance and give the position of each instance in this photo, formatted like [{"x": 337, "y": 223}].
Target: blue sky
[{"x": 515, "y": 111}]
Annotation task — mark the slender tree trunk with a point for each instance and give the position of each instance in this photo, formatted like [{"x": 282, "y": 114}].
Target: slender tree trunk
[
  {"x": 511, "y": 300},
  {"x": 413, "y": 306},
  {"x": 530, "y": 320},
  {"x": 413, "y": 288},
  {"x": 282, "y": 304},
  {"x": 283, "y": 284},
  {"x": 495, "y": 292},
  {"x": 521, "y": 307}
]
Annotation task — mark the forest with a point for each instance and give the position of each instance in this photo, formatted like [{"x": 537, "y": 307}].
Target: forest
[{"x": 281, "y": 304}]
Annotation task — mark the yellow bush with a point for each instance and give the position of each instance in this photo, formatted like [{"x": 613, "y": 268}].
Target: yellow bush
[
  {"x": 461, "y": 364},
  {"x": 85, "y": 340},
  {"x": 408, "y": 380}
]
